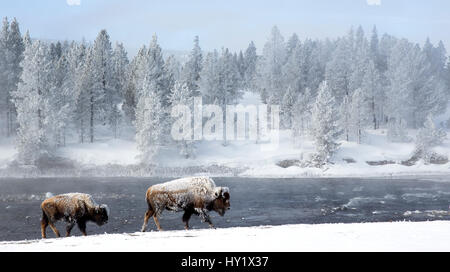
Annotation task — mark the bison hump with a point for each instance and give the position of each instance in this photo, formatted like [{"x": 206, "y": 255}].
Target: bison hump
[{"x": 196, "y": 185}]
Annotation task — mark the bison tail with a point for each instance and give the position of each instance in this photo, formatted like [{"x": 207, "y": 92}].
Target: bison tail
[
  {"x": 48, "y": 195},
  {"x": 44, "y": 216}
]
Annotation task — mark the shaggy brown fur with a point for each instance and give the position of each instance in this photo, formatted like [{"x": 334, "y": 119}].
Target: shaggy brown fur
[
  {"x": 74, "y": 208},
  {"x": 192, "y": 195}
]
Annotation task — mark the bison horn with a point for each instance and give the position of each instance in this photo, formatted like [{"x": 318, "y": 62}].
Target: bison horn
[
  {"x": 104, "y": 206},
  {"x": 218, "y": 191},
  {"x": 225, "y": 190}
]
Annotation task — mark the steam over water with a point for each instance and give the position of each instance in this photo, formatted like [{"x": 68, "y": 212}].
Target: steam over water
[{"x": 254, "y": 202}]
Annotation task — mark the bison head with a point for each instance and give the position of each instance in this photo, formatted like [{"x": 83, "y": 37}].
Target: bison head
[
  {"x": 101, "y": 214},
  {"x": 222, "y": 200}
]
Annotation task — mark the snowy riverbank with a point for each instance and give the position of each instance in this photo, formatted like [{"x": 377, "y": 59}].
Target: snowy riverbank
[
  {"x": 397, "y": 236},
  {"x": 115, "y": 157}
]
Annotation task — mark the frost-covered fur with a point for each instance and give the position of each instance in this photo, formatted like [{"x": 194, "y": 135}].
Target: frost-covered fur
[
  {"x": 194, "y": 195},
  {"x": 74, "y": 208}
]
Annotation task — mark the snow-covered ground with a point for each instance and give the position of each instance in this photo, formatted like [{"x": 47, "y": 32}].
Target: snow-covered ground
[
  {"x": 253, "y": 161},
  {"x": 397, "y": 236}
]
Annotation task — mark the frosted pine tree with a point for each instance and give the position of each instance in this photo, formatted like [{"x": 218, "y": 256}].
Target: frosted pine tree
[
  {"x": 11, "y": 54},
  {"x": 32, "y": 104},
  {"x": 209, "y": 78},
  {"x": 182, "y": 95},
  {"x": 148, "y": 123},
  {"x": 344, "y": 111},
  {"x": 427, "y": 138},
  {"x": 339, "y": 69},
  {"x": 287, "y": 107},
  {"x": 134, "y": 78},
  {"x": 229, "y": 79},
  {"x": 104, "y": 96},
  {"x": 324, "y": 126},
  {"x": 119, "y": 67},
  {"x": 269, "y": 69},
  {"x": 4, "y": 78},
  {"x": 371, "y": 86},
  {"x": 60, "y": 98},
  {"x": 359, "y": 114},
  {"x": 191, "y": 71},
  {"x": 250, "y": 61},
  {"x": 301, "y": 114}
]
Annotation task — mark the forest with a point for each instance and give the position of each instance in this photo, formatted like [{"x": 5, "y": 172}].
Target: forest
[{"x": 54, "y": 93}]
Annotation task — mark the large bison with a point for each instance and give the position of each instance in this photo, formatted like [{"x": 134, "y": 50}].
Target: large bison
[
  {"x": 196, "y": 195},
  {"x": 74, "y": 208}
]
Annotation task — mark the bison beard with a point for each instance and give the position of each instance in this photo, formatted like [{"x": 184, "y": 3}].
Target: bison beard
[
  {"x": 74, "y": 208},
  {"x": 196, "y": 195}
]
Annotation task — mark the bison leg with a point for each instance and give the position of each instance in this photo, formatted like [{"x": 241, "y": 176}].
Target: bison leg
[
  {"x": 186, "y": 216},
  {"x": 82, "y": 227},
  {"x": 148, "y": 214},
  {"x": 52, "y": 226},
  {"x": 155, "y": 218},
  {"x": 205, "y": 217},
  {"x": 69, "y": 228},
  {"x": 44, "y": 224}
]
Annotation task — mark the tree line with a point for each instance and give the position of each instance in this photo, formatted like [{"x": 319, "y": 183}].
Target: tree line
[{"x": 329, "y": 90}]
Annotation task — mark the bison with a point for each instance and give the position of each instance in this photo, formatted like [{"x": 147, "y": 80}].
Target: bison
[
  {"x": 195, "y": 195},
  {"x": 74, "y": 208}
]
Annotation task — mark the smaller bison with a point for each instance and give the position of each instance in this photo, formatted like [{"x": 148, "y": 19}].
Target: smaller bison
[
  {"x": 196, "y": 195},
  {"x": 74, "y": 208}
]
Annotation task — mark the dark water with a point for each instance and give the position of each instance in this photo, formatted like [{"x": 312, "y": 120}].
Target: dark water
[{"x": 253, "y": 202}]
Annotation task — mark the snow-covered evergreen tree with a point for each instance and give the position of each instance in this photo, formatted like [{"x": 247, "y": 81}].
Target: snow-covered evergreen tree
[
  {"x": 193, "y": 67},
  {"x": 344, "y": 110},
  {"x": 301, "y": 114},
  {"x": 324, "y": 126},
  {"x": 269, "y": 69},
  {"x": 371, "y": 86},
  {"x": 210, "y": 78},
  {"x": 427, "y": 138},
  {"x": 32, "y": 103},
  {"x": 11, "y": 54},
  {"x": 287, "y": 107},
  {"x": 119, "y": 82},
  {"x": 250, "y": 61},
  {"x": 149, "y": 123},
  {"x": 338, "y": 70},
  {"x": 360, "y": 114},
  {"x": 182, "y": 95}
]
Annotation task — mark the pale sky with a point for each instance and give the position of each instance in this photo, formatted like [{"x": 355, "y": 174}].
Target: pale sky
[{"x": 231, "y": 23}]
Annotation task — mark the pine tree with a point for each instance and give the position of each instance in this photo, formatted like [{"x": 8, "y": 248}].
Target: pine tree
[
  {"x": 119, "y": 70},
  {"x": 269, "y": 70},
  {"x": 324, "y": 128},
  {"x": 60, "y": 98},
  {"x": 182, "y": 95},
  {"x": 250, "y": 61},
  {"x": 345, "y": 116},
  {"x": 360, "y": 114},
  {"x": 287, "y": 107},
  {"x": 11, "y": 54},
  {"x": 301, "y": 113},
  {"x": 149, "y": 125},
  {"x": 427, "y": 138},
  {"x": 135, "y": 76},
  {"x": 338, "y": 70},
  {"x": 32, "y": 104},
  {"x": 371, "y": 86},
  {"x": 193, "y": 67},
  {"x": 210, "y": 79}
]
